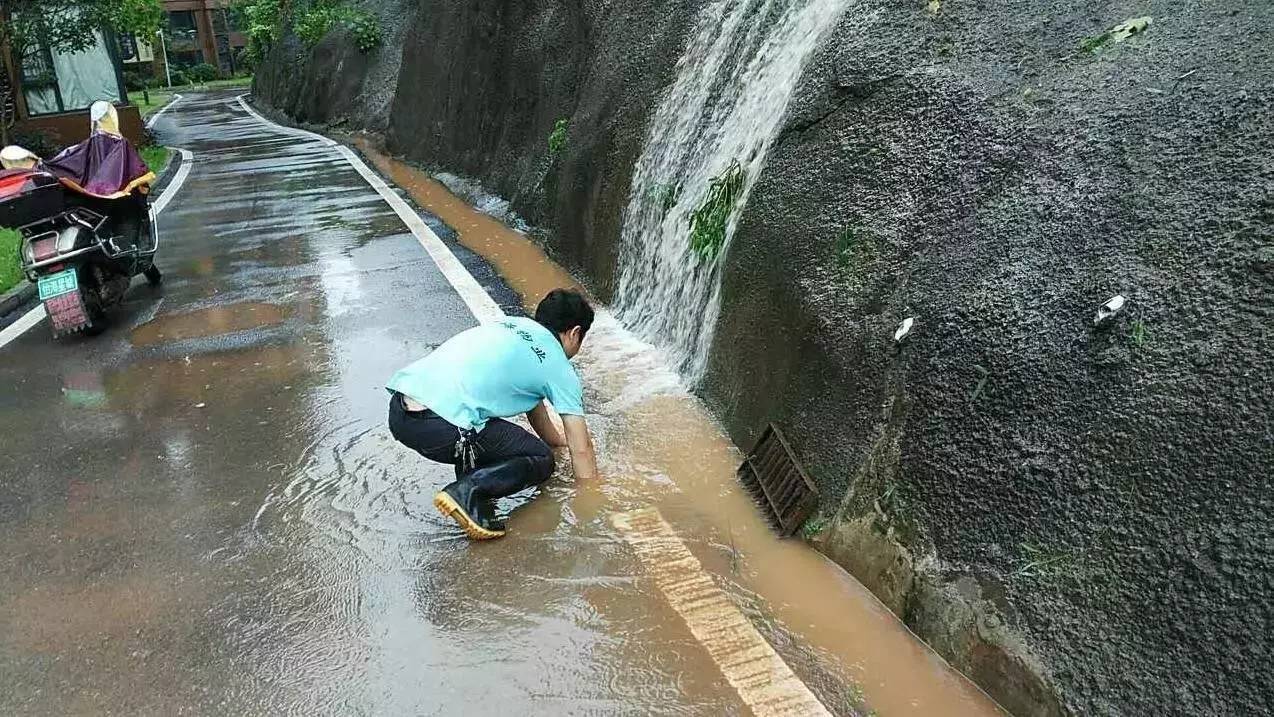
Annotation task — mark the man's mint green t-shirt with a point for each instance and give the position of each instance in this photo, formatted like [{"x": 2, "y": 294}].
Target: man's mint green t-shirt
[{"x": 495, "y": 370}]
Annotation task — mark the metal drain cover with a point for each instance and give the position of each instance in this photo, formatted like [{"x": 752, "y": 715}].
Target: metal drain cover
[{"x": 778, "y": 483}]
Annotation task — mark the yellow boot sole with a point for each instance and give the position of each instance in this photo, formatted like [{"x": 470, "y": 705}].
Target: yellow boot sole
[{"x": 451, "y": 509}]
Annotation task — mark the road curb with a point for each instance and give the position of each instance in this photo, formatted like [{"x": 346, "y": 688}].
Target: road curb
[{"x": 16, "y": 297}]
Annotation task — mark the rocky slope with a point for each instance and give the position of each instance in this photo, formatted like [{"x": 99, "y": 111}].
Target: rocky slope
[{"x": 1077, "y": 516}]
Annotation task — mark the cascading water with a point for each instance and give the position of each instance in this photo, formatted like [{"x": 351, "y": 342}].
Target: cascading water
[{"x": 732, "y": 89}]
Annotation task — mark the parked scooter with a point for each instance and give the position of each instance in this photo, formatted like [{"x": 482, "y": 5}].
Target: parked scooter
[{"x": 87, "y": 226}]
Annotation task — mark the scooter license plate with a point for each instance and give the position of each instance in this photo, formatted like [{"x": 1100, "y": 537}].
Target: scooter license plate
[{"x": 63, "y": 282}]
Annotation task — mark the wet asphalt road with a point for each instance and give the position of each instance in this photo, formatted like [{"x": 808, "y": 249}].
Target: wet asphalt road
[{"x": 202, "y": 510}]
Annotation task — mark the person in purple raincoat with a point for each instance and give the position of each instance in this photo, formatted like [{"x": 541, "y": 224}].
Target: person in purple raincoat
[
  {"x": 108, "y": 173},
  {"x": 104, "y": 166}
]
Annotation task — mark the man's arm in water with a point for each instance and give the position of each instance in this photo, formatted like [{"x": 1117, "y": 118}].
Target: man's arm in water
[
  {"x": 583, "y": 458},
  {"x": 544, "y": 428}
]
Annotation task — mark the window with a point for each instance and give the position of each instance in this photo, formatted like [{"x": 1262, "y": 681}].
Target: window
[
  {"x": 182, "y": 21},
  {"x": 183, "y": 37},
  {"x": 64, "y": 82}
]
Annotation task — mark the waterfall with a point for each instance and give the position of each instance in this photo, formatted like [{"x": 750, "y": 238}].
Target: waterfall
[{"x": 732, "y": 88}]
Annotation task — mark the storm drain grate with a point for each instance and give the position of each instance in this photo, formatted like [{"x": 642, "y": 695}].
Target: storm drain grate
[{"x": 778, "y": 483}]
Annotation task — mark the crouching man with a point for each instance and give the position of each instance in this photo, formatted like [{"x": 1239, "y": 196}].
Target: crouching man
[{"x": 450, "y": 407}]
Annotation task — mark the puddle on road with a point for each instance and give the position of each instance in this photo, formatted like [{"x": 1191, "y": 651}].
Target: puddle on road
[
  {"x": 212, "y": 321},
  {"x": 659, "y": 446}
]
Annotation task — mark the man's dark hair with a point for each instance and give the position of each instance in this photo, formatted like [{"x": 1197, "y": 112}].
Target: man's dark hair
[{"x": 563, "y": 310}]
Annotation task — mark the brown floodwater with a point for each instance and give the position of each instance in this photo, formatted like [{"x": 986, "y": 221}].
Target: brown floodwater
[
  {"x": 660, "y": 448},
  {"x": 213, "y": 321}
]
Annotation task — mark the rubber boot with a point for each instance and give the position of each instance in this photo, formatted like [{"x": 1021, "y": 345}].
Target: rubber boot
[
  {"x": 472, "y": 512},
  {"x": 510, "y": 476}
]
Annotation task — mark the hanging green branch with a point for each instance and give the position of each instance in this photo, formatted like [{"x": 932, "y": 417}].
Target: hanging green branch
[{"x": 708, "y": 223}]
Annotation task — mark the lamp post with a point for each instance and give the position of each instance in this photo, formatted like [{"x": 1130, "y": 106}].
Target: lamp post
[{"x": 163, "y": 46}]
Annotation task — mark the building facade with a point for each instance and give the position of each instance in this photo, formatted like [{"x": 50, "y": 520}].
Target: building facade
[
  {"x": 49, "y": 92},
  {"x": 203, "y": 31}
]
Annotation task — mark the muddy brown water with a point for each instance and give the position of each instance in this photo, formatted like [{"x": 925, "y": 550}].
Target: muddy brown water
[
  {"x": 209, "y": 322},
  {"x": 660, "y": 447}
]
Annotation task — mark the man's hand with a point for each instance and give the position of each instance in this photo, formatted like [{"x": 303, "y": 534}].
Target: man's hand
[
  {"x": 583, "y": 458},
  {"x": 544, "y": 428}
]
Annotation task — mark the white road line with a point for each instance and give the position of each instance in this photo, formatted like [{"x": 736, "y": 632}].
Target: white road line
[
  {"x": 155, "y": 117},
  {"x": 19, "y": 327},
  {"x": 751, "y": 666},
  {"x": 474, "y": 296},
  {"x": 281, "y": 129},
  {"x": 478, "y": 300},
  {"x": 187, "y": 159},
  {"x": 36, "y": 315}
]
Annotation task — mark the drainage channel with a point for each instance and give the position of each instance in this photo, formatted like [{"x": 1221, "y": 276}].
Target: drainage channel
[{"x": 666, "y": 462}]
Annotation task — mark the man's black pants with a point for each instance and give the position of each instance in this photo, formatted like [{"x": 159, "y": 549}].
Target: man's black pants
[{"x": 508, "y": 458}]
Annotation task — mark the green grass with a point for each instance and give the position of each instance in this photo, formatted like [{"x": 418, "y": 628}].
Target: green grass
[
  {"x": 10, "y": 265},
  {"x": 155, "y": 156},
  {"x": 222, "y": 84},
  {"x": 158, "y": 98}
]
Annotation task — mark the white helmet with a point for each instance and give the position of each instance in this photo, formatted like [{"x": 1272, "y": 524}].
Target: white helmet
[{"x": 15, "y": 157}]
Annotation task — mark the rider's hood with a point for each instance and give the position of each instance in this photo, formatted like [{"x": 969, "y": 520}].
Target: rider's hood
[{"x": 104, "y": 117}]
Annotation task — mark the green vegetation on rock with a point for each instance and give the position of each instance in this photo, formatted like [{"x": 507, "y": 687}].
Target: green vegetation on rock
[
  {"x": 845, "y": 247},
  {"x": 1118, "y": 33},
  {"x": 813, "y": 526},
  {"x": 261, "y": 21},
  {"x": 10, "y": 266},
  {"x": 323, "y": 16},
  {"x": 1039, "y": 562},
  {"x": 708, "y": 223},
  {"x": 856, "y": 248},
  {"x": 1138, "y": 333},
  {"x": 557, "y": 138}
]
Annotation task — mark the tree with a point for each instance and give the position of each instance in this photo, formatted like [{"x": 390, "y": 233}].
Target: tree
[
  {"x": 65, "y": 26},
  {"x": 261, "y": 20}
]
